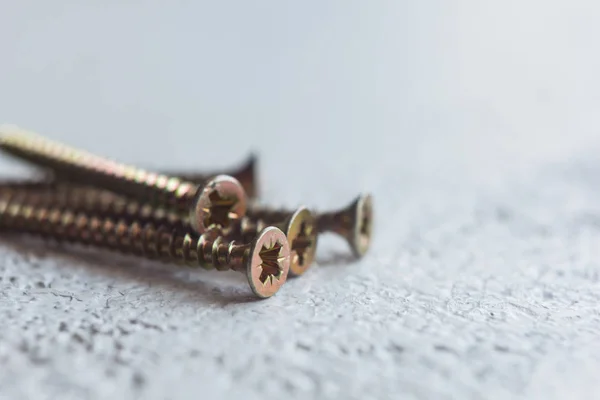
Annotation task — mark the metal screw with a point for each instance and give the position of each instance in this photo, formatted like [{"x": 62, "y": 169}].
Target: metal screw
[
  {"x": 245, "y": 174},
  {"x": 265, "y": 260},
  {"x": 93, "y": 202},
  {"x": 354, "y": 222},
  {"x": 217, "y": 203},
  {"x": 299, "y": 226}
]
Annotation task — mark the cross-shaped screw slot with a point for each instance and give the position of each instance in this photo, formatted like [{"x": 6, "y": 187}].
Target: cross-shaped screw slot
[
  {"x": 303, "y": 242},
  {"x": 270, "y": 263},
  {"x": 219, "y": 211}
]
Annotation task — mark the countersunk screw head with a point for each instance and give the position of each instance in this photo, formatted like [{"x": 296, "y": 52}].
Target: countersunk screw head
[
  {"x": 269, "y": 262},
  {"x": 219, "y": 203},
  {"x": 363, "y": 226},
  {"x": 301, "y": 231}
]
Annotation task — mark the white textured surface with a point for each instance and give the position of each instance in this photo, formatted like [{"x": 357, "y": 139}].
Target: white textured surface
[{"x": 474, "y": 124}]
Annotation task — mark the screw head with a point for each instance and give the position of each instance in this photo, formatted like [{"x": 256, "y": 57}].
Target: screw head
[
  {"x": 218, "y": 204},
  {"x": 363, "y": 224},
  {"x": 301, "y": 231},
  {"x": 269, "y": 262}
]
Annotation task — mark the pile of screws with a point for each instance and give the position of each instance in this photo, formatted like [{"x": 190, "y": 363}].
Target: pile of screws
[{"x": 211, "y": 220}]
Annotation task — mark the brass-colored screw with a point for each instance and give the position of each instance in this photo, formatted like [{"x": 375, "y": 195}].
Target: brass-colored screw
[
  {"x": 354, "y": 222},
  {"x": 299, "y": 226},
  {"x": 99, "y": 203},
  {"x": 217, "y": 203},
  {"x": 265, "y": 260},
  {"x": 246, "y": 175}
]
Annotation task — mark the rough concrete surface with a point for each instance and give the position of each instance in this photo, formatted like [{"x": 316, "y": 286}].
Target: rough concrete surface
[{"x": 474, "y": 126}]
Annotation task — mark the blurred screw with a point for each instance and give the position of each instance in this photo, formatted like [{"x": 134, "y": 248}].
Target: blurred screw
[
  {"x": 219, "y": 202},
  {"x": 94, "y": 202},
  {"x": 265, "y": 260},
  {"x": 246, "y": 174},
  {"x": 299, "y": 226}
]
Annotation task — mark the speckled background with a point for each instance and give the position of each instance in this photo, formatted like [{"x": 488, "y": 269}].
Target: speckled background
[{"x": 475, "y": 126}]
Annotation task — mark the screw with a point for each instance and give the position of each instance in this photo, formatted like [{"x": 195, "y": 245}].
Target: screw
[
  {"x": 301, "y": 232},
  {"x": 354, "y": 222},
  {"x": 219, "y": 202},
  {"x": 245, "y": 174},
  {"x": 265, "y": 260},
  {"x": 94, "y": 202},
  {"x": 299, "y": 226}
]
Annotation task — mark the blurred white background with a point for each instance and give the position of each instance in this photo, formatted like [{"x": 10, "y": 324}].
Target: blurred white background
[{"x": 425, "y": 81}]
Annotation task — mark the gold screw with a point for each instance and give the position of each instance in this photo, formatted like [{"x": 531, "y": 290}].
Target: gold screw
[
  {"x": 218, "y": 203},
  {"x": 246, "y": 174},
  {"x": 300, "y": 226},
  {"x": 90, "y": 201},
  {"x": 265, "y": 260}
]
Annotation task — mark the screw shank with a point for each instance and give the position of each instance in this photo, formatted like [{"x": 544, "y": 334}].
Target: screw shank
[
  {"x": 339, "y": 222},
  {"x": 82, "y": 167},
  {"x": 268, "y": 215},
  {"x": 145, "y": 239},
  {"x": 96, "y": 202}
]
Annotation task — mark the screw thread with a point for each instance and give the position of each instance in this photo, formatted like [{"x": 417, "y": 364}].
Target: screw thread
[
  {"x": 97, "y": 202},
  {"x": 246, "y": 175},
  {"x": 100, "y": 203},
  {"x": 81, "y": 166},
  {"x": 147, "y": 240}
]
